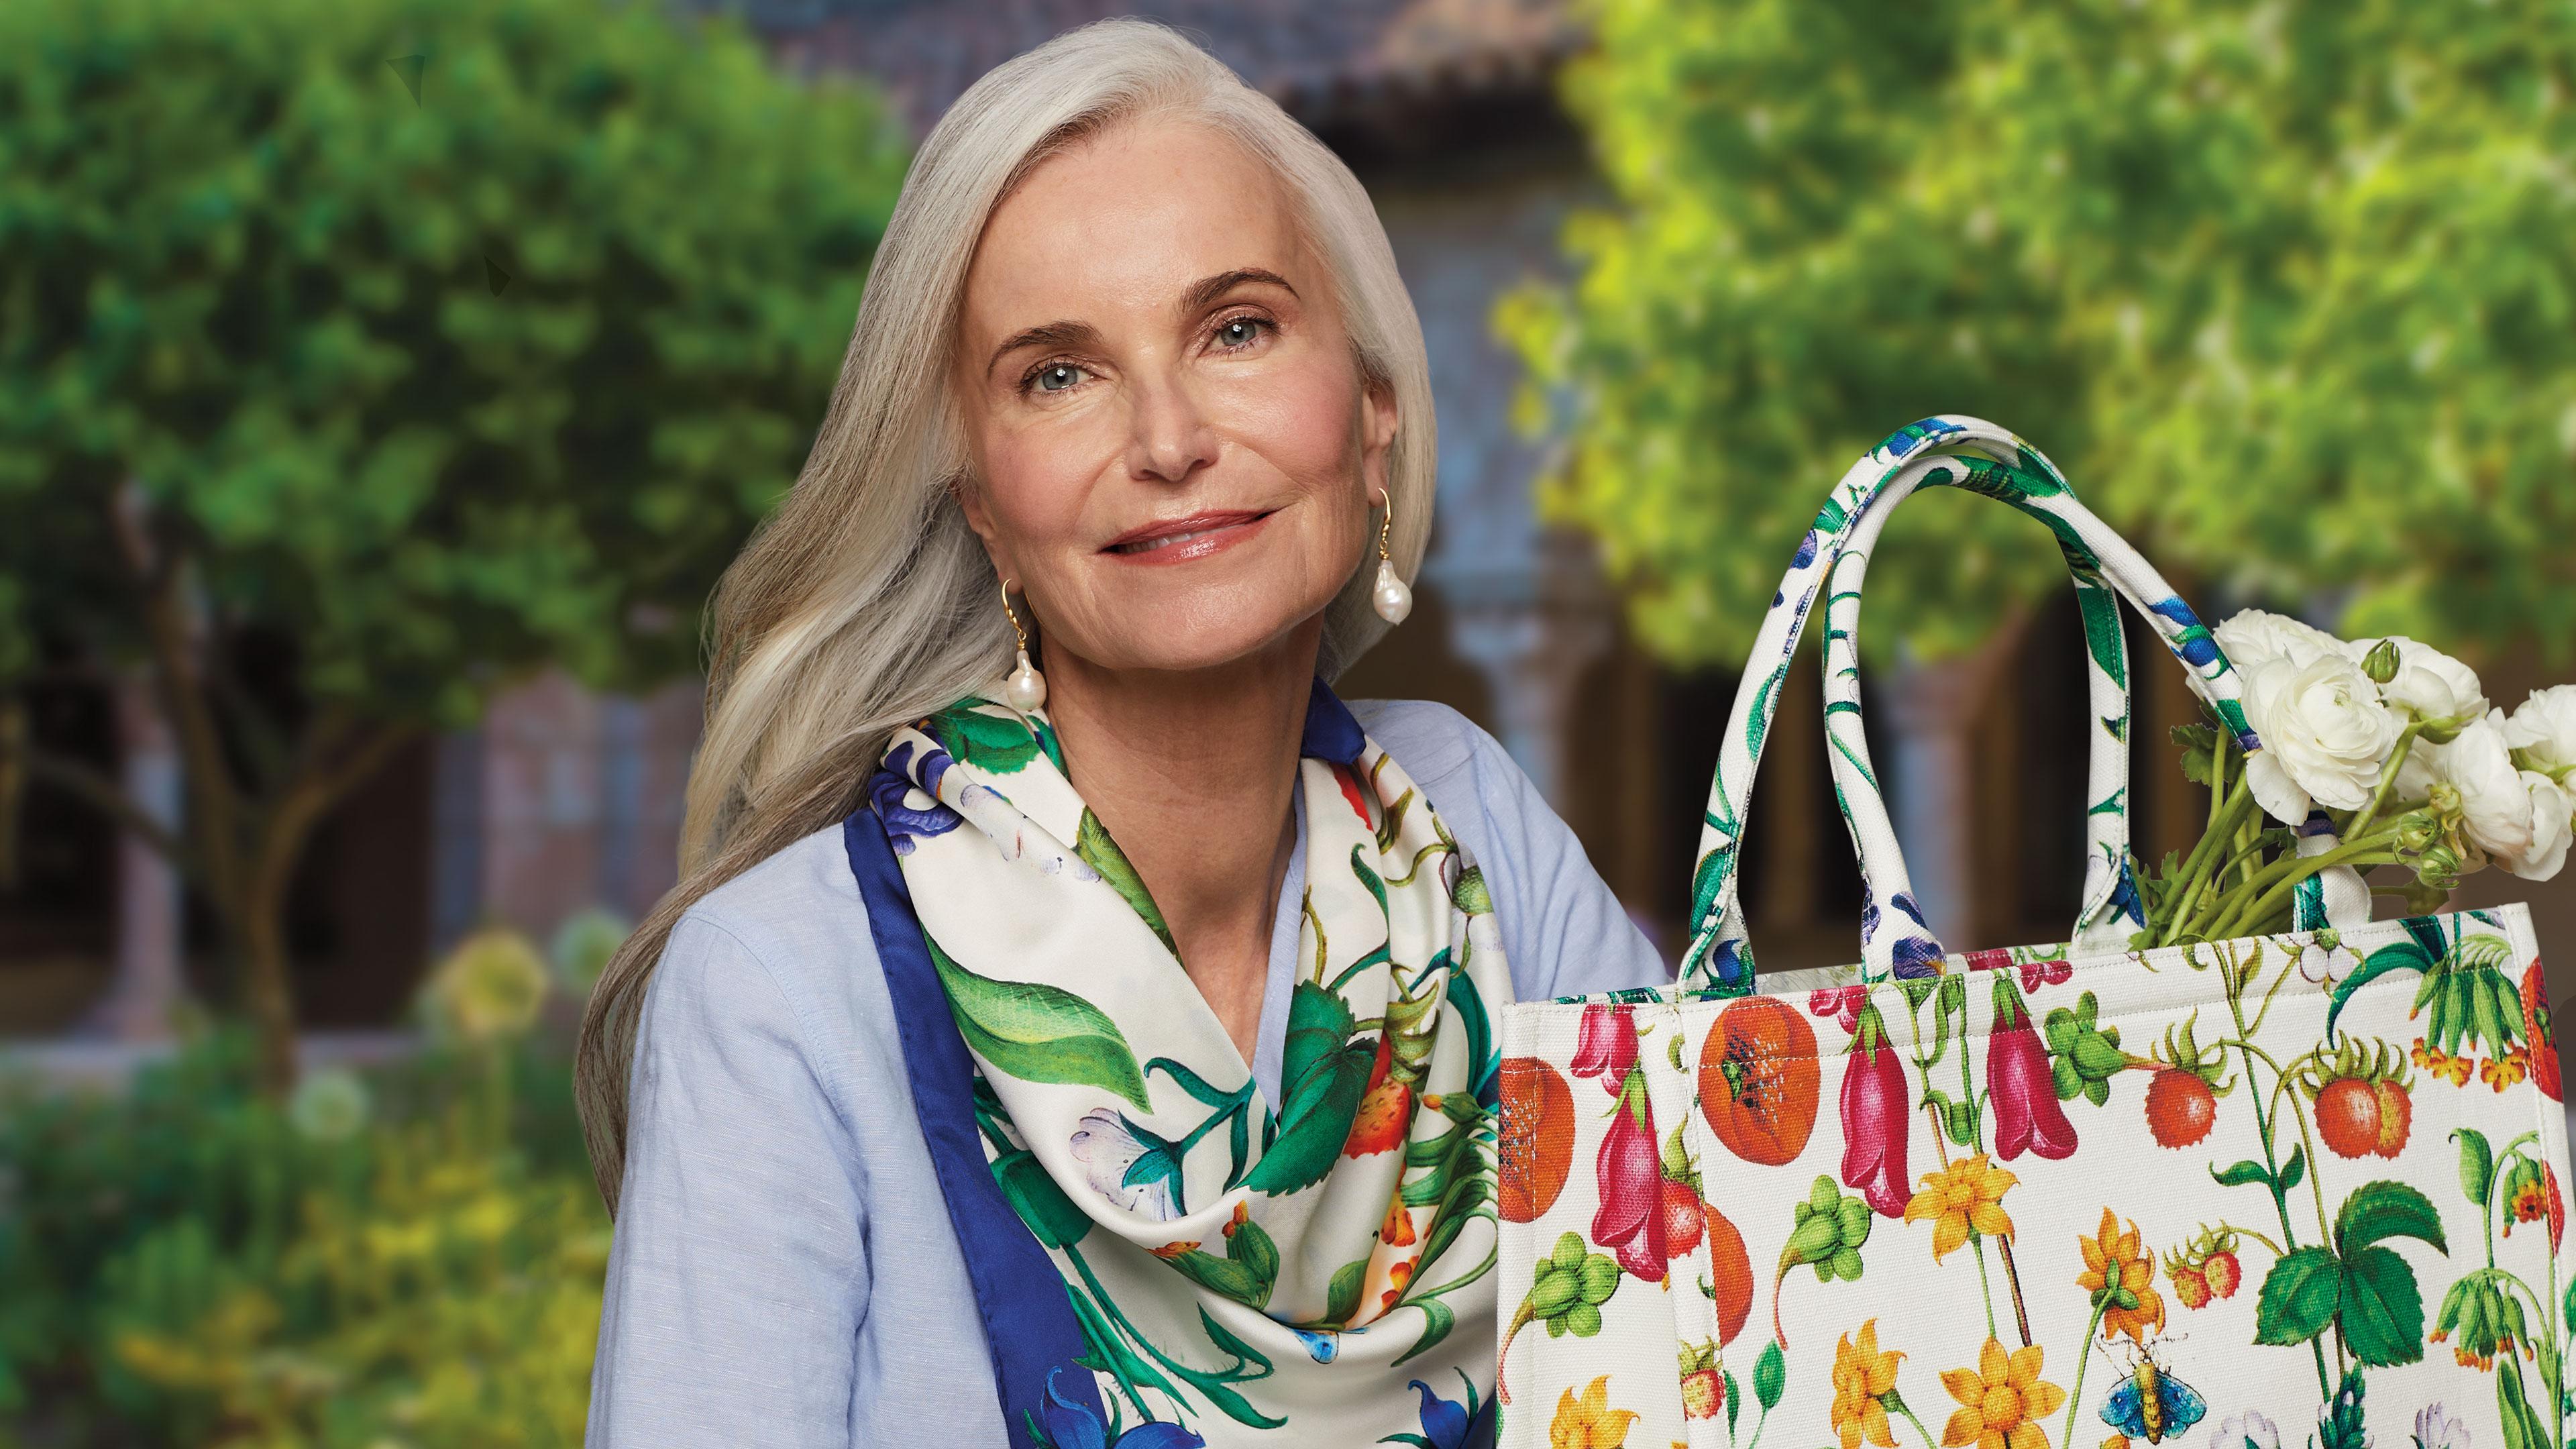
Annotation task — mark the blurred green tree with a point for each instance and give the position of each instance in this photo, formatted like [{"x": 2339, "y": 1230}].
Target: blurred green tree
[
  {"x": 2285, "y": 290},
  {"x": 358, "y": 355}
]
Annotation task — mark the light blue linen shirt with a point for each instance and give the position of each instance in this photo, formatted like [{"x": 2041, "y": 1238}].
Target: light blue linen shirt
[{"x": 783, "y": 1271}]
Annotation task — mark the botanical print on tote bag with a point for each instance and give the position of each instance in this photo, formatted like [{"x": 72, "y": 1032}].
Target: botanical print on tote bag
[{"x": 2276, "y": 1189}]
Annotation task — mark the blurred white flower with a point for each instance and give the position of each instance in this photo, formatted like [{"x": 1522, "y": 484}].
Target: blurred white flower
[
  {"x": 2435, "y": 1429},
  {"x": 329, "y": 1105},
  {"x": 2542, "y": 730},
  {"x": 2429, "y": 683},
  {"x": 582, "y": 946},
  {"x": 2325, "y": 733},
  {"x": 2239, "y": 1430},
  {"x": 2254, "y": 636}
]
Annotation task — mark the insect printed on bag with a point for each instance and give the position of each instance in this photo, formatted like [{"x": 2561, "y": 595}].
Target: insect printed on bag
[{"x": 2149, "y": 1402}]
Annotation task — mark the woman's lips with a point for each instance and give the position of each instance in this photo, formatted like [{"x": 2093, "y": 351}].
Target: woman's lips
[{"x": 1198, "y": 537}]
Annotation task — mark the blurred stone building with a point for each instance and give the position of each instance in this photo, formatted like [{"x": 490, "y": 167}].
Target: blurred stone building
[{"x": 565, "y": 799}]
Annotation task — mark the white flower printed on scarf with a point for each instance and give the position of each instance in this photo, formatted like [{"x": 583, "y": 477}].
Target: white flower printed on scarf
[
  {"x": 2248, "y": 1430},
  {"x": 2435, "y": 1429},
  {"x": 1106, "y": 1150},
  {"x": 2325, "y": 734},
  {"x": 2542, "y": 732}
]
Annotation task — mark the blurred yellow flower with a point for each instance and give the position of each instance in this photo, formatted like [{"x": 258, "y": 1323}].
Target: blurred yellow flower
[
  {"x": 1589, "y": 1423},
  {"x": 2121, "y": 1277},
  {"x": 1967, "y": 1194},
  {"x": 1862, "y": 1377},
  {"x": 491, "y": 985},
  {"x": 2001, "y": 1400}
]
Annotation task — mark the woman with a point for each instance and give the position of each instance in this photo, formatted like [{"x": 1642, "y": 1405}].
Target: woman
[{"x": 1134, "y": 1005}]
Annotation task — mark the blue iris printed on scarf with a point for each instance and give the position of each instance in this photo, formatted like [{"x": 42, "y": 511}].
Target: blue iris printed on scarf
[
  {"x": 1448, "y": 1423},
  {"x": 889, "y": 786},
  {"x": 1071, "y": 1425}
]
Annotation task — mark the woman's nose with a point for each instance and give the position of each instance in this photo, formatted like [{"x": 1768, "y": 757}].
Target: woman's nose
[{"x": 1170, "y": 437}]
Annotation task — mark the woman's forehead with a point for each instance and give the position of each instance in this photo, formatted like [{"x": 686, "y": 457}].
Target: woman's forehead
[{"x": 1128, "y": 220}]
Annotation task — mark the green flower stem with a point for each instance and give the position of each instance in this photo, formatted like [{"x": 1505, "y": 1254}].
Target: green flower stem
[
  {"x": 2387, "y": 779},
  {"x": 2012, "y": 1284},
  {"x": 1907, "y": 1410},
  {"x": 2083, "y": 1361},
  {"x": 2272, "y": 887},
  {"x": 1978, "y": 1240},
  {"x": 2195, "y": 871},
  {"x": 2271, "y": 1159}
]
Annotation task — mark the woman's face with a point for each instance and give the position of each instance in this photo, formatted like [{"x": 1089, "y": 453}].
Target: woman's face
[{"x": 1175, "y": 453}]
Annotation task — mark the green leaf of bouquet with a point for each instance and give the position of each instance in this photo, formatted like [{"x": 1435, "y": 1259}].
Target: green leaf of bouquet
[
  {"x": 2380, "y": 1210},
  {"x": 989, "y": 742},
  {"x": 2382, "y": 1309},
  {"x": 2299, "y": 1297},
  {"x": 1092, "y": 843},
  {"x": 1039, "y": 1033}
]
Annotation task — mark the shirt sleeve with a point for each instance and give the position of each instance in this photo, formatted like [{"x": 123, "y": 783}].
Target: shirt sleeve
[
  {"x": 1565, "y": 932},
  {"x": 737, "y": 1275}
]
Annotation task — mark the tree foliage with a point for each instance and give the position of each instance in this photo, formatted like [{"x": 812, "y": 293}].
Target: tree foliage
[
  {"x": 357, "y": 355},
  {"x": 2283, "y": 289}
]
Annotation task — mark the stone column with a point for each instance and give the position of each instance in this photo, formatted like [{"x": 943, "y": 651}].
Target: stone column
[
  {"x": 148, "y": 984},
  {"x": 1531, "y": 630}
]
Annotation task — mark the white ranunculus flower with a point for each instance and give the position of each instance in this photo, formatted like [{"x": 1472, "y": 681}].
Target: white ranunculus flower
[
  {"x": 2550, "y": 829},
  {"x": 2325, "y": 734},
  {"x": 2495, "y": 804},
  {"x": 2543, "y": 728},
  {"x": 2251, "y": 637},
  {"x": 2428, "y": 682}
]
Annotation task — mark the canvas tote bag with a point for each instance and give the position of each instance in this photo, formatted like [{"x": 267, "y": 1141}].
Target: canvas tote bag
[{"x": 2243, "y": 1192}]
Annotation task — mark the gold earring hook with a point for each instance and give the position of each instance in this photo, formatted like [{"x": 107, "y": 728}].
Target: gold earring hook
[
  {"x": 1387, "y": 524},
  {"x": 1022, "y": 634}
]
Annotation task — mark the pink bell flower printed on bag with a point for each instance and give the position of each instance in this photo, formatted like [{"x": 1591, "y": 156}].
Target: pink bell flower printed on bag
[
  {"x": 1630, "y": 1222},
  {"x": 1876, "y": 1114},
  {"x": 2018, "y": 1077},
  {"x": 1605, "y": 1046}
]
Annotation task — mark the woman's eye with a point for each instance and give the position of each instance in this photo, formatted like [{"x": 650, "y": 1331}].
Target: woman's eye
[
  {"x": 1055, "y": 376},
  {"x": 1237, "y": 332}
]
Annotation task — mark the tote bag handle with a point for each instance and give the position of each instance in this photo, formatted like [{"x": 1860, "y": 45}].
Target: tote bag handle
[{"x": 1979, "y": 457}]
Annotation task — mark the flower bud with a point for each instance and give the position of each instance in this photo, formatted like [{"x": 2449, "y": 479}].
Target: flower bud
[
  {"x": 2416, "y": 830},
  {"x": 2438, "y": 867},
  {"x": 2443, "y": 729},
  {"x": 2444, "y": 797},
  {"x": 2381, "y": 662}
]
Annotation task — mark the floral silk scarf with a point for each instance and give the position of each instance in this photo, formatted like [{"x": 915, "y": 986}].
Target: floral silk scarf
[{"x": 1318, "y": 1270}]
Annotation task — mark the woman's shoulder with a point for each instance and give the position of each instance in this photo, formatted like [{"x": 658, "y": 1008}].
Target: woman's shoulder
[
  {"x": 798, "y": 919},
  {"x": 1431, "y": 740}
]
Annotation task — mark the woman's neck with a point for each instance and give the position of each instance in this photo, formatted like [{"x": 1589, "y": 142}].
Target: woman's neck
[{"x": 1192, "y": 774}]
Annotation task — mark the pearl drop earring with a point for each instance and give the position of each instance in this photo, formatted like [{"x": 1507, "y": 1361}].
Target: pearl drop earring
[
  {"x": 1026, "y": 688},
  {"x": 1394, "y": 600}
]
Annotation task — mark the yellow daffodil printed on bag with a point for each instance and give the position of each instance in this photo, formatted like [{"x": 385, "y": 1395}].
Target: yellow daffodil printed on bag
[{"x": 2234, "y": 1165}]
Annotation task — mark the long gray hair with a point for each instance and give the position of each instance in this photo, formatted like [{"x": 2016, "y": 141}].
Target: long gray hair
[{"x": 865, "y": 601}]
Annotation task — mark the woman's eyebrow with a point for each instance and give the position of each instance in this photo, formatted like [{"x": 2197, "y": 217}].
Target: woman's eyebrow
[{"x": 1076, "y": 335}]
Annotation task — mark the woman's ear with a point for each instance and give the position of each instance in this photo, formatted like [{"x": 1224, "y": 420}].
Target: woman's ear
[
  {"x": 1379, "y": 418},
  {"x": 970, "y": 501}
]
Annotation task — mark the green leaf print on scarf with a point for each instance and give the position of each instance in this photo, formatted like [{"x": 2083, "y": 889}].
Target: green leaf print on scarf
[
  {"x": 1245, "y": 1274},
  {"x": 989, "y": 741},
  {"x": 1092, "y": 843},
  {"x": 1039, "y": 1033},
  {"x": 1325, "y": 1074}
]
